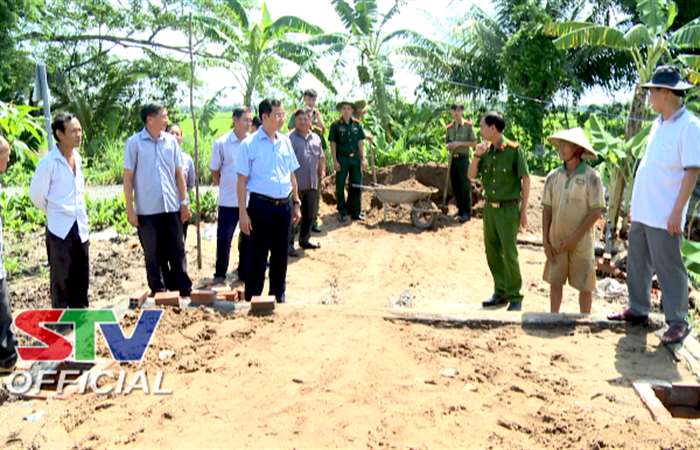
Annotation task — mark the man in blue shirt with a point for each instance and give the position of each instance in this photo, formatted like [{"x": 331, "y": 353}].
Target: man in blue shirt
[
  {"x": 265, "y": 165},
  {"x": 223, "y": 173},
  {"x": 153, "y": 176},
  {"x": 58, "y": 189}
]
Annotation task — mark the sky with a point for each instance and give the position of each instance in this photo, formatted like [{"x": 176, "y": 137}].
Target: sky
[{"x": 428, "y": 17}]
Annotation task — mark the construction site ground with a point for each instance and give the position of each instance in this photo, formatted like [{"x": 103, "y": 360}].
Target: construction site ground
[{"x": 331, "y": 368}]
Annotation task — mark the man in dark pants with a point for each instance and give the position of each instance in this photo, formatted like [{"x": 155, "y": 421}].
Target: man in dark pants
[
  {"x": 58, "y": 189},
  {"x": 8, "y": 350},
  {"x": 265, "y": 165},
  {"x": 347, "y": 145},
  {"x": 153, "y": 175},
  {"x": 223, "y": 173},
  {"x": 460, "y": 136},
  {"x": 312, "y": 169}
]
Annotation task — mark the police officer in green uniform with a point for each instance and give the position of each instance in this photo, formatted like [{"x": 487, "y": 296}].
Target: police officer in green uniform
[
  {"x": 506, "y": 182},
  {"x": 347, "y": 145},
  {"x": 460, "y": 136}
]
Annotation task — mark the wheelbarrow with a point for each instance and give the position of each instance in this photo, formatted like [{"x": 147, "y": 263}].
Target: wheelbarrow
[{"x": 424, "y": 212}]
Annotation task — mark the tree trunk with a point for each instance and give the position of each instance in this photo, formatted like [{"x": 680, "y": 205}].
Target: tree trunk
[
  {"x": 380, "y": 96},
  {"x": 632, "y": 127}
]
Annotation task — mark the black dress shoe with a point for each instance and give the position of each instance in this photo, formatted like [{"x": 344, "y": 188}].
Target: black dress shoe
[
  {"x": 342, "y": 218},
  {"x": 309, "y": 246},
  {"x": 280, "y": 298},
  {"x": 495, "y": 300},
  {"x": 462, "y": 218},
  {"x": 292, "y": 252},
  {"x": 515, "y": 306}
]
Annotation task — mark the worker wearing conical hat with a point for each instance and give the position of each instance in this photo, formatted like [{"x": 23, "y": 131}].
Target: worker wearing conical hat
[
  {"x": 506, "y": 182},
  {"x": 573, "y": 201}
]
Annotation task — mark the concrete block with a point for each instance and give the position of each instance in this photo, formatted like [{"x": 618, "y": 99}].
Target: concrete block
[
  {"x": 137, "y": 301},
  {"x": 170, "y": 298}
]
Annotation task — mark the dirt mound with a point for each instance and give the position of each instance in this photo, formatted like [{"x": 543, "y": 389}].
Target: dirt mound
[{"x": 410, "y": 185}]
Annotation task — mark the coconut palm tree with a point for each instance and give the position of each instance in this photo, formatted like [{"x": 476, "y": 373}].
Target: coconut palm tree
[
  {"x": 254, "y": 50},
  {"x": 650, "y": 43}
]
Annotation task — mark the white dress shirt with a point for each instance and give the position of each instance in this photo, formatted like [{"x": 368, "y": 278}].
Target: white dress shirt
[
  {"x": 223, "y": 159},
  {"x": 673, "y": 147},
  {"x": 60, "y": 193}
]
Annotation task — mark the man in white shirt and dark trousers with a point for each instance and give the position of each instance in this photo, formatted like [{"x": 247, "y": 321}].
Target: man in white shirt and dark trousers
[
  {"x": 223, "y": 172},
  {"x": 663, "y": 184},
  {"x": 58, "y": 189},
  {"x": 8, "y": 345},
  {"x": 153, "y": 176}
]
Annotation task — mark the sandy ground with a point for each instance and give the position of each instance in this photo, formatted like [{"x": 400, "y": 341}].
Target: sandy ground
[{"x": 329, "y": 369}]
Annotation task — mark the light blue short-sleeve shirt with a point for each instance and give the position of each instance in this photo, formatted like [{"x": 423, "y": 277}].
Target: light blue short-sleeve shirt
[
  {"x": 154, "y": 162},
  {"x": 268, "y": 164},
  {"x": 223, "y": 159}
]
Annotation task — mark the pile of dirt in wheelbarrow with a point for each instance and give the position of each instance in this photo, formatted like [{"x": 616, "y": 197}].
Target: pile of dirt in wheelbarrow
[
  {"x": 430, "y": 175},
  {"x": 410, "y": 185}
]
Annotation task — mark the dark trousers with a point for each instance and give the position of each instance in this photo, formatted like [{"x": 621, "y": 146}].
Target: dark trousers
[
  {"x": 309, "y": 209},
  {"x": 349, "y": 167},
  {"x": 461, "y": 186},
  {"x": 8, "y": 352},
  {"x": 225, "y": 227},
  {"x": 270, "y": 235},
  {"x": 69, "y": 266},
  {"x": 164, "y": 249}
]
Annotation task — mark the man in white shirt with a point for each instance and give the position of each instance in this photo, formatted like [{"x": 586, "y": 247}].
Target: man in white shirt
[
  {"x": 223, "y": 172},
  {"x": 662, "y": 186},
  {"x": 58, "y": 189},
  {"x": 8, "y": 350}
]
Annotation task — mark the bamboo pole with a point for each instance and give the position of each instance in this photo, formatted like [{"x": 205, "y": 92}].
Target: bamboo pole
[{"x": 196, "y": 146}]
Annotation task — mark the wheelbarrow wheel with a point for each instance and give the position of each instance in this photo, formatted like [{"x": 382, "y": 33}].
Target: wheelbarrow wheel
[{"x": 423, "y": 215}]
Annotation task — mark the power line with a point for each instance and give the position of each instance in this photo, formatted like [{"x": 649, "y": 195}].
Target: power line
[{"x": 540, "y": 101}]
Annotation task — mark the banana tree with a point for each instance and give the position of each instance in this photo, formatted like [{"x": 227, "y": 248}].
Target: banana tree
[
  {"x": 649, "y": 43},
  {"x": 365, "y": 32},
  {"x": 254, "y": 50}
]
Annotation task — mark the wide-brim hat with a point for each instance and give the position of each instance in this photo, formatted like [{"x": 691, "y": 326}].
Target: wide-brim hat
[
  {"x": 575, "y": 136},
  {"x": 360, "y": 106},
  {"x": 342, "y": 103},
  {"x": 668, "y": 77}
]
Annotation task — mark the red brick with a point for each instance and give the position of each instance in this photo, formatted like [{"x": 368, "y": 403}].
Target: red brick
[
  {"x": 171, "y": 298},
  {"x": 262, "y": 305},
  {"x": 202, "y": 297},
  {"x": 137, "y": 301}
]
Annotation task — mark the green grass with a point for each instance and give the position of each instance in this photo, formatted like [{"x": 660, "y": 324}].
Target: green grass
[{"x": 221, "y": 123}]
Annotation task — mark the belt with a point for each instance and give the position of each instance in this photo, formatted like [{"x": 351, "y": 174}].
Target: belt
[
  {"x": 274, "y": 201},
  {"x": 503, "y": 203}
]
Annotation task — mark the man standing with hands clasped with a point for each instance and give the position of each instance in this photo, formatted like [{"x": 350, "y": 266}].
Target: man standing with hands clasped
[
  {"x": 153, "y": 176},
  {"x": 662, "y": 186},
  {"x": 265, "y": 164},
  {"x": 506, "y": 181}
]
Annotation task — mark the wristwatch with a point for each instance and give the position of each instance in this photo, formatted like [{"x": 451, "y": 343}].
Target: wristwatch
[{"x": 185, "y": 202}]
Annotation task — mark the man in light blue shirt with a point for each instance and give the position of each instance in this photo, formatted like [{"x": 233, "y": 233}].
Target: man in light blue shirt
[
  {"x": 223, "y": 172},
  {"x": 153, "y": 176},
  {"x": 58, "y": 189},
  {"x": 188, "y": 169},
  {"x": 265, "y": 165},
  {"x": 8, "y": 350}
]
